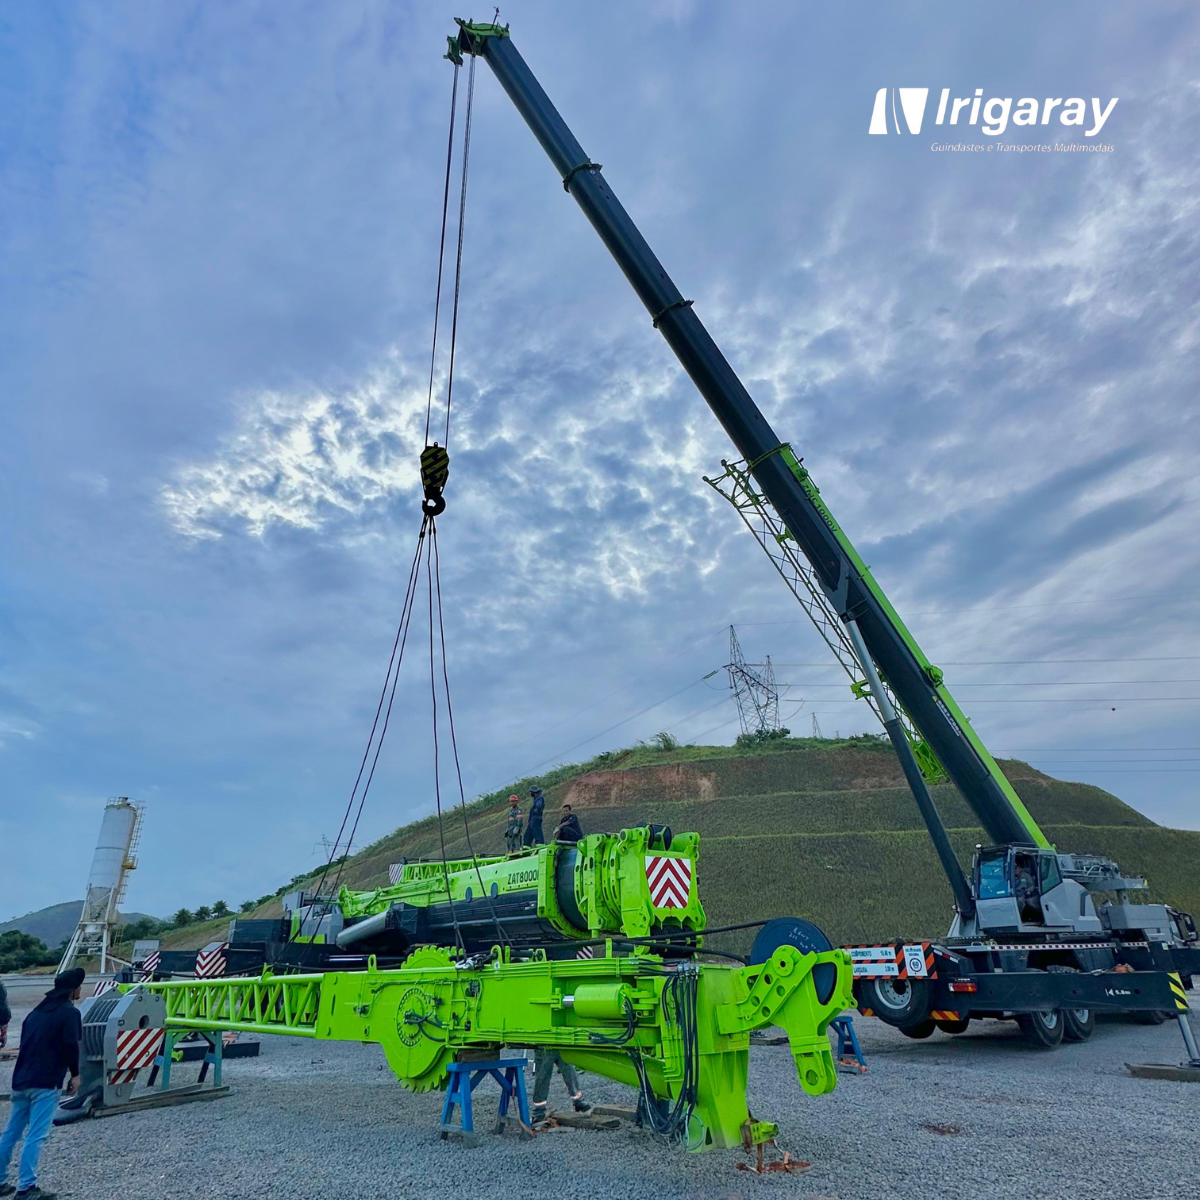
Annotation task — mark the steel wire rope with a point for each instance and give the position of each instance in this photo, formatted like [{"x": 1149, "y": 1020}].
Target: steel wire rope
[
  {"x": 437, "y": 302},
  {"x": 387, "y": 716},
  {"x": 393, "y": 665},
  {"x": 462, "y": 214},
  {"x": 432, "y": 563},
  {"x": 437, "y": 785},
  {"x": 462, "y": 796}
]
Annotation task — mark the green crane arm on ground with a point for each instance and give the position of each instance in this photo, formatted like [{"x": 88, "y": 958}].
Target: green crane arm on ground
[
  {"x": 885, "y": 648},
  {"x": 681, "y": 1036},
  {"x": 638, "y": 883}
]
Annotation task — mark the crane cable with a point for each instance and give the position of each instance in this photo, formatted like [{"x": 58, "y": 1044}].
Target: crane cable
[{"x": 435, "y": 464}]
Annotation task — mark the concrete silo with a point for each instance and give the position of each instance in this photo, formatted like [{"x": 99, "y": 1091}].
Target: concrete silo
[{"x": 114, "y": 858}]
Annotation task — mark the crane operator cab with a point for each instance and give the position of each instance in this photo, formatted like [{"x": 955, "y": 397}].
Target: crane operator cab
[{"x": 1021, "y": 889}]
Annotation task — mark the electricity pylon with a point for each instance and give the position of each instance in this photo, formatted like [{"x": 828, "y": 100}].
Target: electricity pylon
[{"x": 754, "y": 689}]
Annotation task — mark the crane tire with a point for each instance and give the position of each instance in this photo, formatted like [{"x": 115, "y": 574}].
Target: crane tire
[
  {"x": 1150, "y": 1018},
  {"x": 1042, "y": 1029},
  {"x": 1078, "y": 1023},
  {"x": 899, "y": 1002},
  {"x": 920, "y": 1031}
]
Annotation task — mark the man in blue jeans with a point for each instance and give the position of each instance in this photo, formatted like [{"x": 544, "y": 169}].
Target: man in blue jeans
[{"x": 49, "y": 1050}]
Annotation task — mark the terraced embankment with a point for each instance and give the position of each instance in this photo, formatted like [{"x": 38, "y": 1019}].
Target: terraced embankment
[{"x": 824, "y": 829}]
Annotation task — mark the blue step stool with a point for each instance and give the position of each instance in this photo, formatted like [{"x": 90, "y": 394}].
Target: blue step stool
[
  {"x": 465, "y": 1077},
  {"x": 843, "y": 1026}
]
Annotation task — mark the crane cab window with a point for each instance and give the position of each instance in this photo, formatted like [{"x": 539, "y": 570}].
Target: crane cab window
[
  {"x": 993, "y": 878},
  {"x": 1051, "y": 876}
]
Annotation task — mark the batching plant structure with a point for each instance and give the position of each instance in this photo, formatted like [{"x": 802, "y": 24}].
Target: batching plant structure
[{"x": 115, "y": 857}]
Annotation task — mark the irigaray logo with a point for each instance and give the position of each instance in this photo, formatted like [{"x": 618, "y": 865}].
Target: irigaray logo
[{"x": 1072, "y": 111}]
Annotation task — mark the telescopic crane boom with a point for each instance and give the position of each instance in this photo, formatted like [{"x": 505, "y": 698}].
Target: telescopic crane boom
[{"x": 885, "y": 648}]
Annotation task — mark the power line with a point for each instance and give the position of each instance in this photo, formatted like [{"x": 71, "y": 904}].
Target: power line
[
  {"x": 1138, "y": 771},
  {"x": 1025, "y": 662},
  {"x": 617, "y": 691},
  {"x": 942, "y": 612},
  {"x": 595, "y": 736},
  {"x": 1071, "y": 762},
  {"x": 1029, "y": 683}
]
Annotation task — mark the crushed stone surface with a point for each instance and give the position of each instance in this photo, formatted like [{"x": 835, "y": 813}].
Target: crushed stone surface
[{"x": 974, "y": 1116}]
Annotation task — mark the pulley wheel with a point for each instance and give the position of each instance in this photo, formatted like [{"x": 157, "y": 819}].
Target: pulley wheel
[{"x": 805, "y": 937}]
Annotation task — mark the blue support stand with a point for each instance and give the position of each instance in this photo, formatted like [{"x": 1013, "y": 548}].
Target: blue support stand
[
  {"x": 848, "y": 1041},
  {"x": 465, "y": 1077}
]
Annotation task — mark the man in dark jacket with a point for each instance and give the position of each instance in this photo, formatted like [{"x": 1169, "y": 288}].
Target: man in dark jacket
[
  {"x": 49, "y": 1050},
  {"x": 569, "y": 829},
  {"x": 533, "y": 830},
  {"x": 5, "y": 1016}
]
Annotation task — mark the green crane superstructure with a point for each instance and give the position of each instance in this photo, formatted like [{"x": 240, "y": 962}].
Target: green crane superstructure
[{"x": 636, "y": 883}]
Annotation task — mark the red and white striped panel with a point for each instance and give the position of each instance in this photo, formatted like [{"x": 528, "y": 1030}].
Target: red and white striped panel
[
  {"x": 586, "y": 952},
  {"x": 123, "y": 1076},
  {"x": 150, "y": 965},
  {"x": 137, "y": 1048},
  {"x": 104, "y": 985},
  {"x": 670, "y": 880},
  {"x": 395, "y": 872},
  {"x": 210, "y": 962}
]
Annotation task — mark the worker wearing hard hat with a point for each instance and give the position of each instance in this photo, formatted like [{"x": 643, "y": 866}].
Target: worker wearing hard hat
[{"x": 512, "y": 831}]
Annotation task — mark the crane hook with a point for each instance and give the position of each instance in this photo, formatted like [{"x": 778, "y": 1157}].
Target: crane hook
[{"x": 435, "y": 470}]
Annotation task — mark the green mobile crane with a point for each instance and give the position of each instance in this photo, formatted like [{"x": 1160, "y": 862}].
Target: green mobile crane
[{"x": 1020, "y": 888}]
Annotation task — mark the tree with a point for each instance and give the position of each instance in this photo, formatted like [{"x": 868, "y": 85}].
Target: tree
[
  {"x": 182, "y": 917},
  {"x": 247, "y": 905},
  {"x": 20, "y": 950},
  {"x": 220, "y": 909},
  {"x": 203, "y": 913},
  {"x": 143, "y": 927}
]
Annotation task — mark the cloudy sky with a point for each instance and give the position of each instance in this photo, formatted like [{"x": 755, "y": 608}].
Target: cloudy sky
[{"x": 220, "y": 230}]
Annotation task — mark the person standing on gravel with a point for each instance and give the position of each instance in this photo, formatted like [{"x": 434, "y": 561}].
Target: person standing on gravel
[
  {"x": 49, "y": 1050},
  {"x": 533, "y": 831},
  {"x": 512, "y": 831},
  {"x": 5, "y": 1016}
]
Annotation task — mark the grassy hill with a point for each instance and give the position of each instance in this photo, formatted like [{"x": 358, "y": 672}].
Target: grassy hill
[
  {"x": 821, "y": 828},
  {"x": 53, "y": 925}
]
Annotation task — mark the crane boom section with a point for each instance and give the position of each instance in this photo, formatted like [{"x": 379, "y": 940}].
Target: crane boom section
[{"x": 839, "y": 569}]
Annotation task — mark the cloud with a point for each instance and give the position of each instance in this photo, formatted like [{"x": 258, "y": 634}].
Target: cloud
[{"x": 216, "y": 339}]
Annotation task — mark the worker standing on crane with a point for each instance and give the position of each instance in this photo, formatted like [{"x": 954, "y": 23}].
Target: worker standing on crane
[
  {"x": 50, "y": 1038},
  {"x": 533, "y": 831},
  {"x": 512, "y": 831}
]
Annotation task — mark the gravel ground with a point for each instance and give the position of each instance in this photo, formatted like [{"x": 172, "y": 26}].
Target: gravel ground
[{"x": 975, "y": 1116}]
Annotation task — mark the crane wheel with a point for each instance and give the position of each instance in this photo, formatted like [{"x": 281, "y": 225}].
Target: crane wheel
[
  {"x": 900, "y": 1002},
  {"x": 919, "y": 1032},
  {"x": 1042, "y": 1029},
  {"x": 1150, "y": 1018},
  {"x": 1078, "y": 1023}
]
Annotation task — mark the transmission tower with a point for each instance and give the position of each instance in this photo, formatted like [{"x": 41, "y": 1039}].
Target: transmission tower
[
  {"x": 816, "y": 727},
  {"x": 754, "y": 689}
]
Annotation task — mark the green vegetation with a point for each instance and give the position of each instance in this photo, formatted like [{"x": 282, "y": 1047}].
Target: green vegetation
[
  {"x": 823, "y": 828},
  {"x": 20, "y": 951}
]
